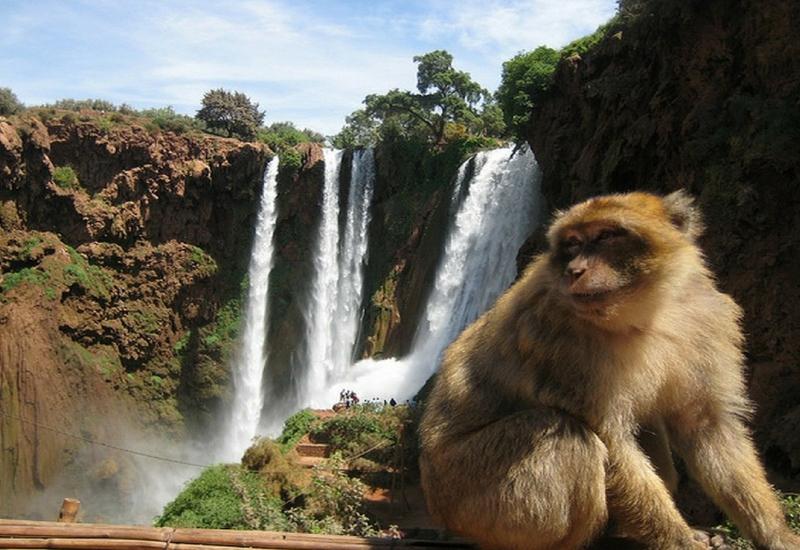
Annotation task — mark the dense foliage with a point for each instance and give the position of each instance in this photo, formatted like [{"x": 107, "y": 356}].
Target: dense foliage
[
  {"x": 526, "y": 77},
  {"x": 281, "y": 136},
  {"x": 271, "y": 490},
  {"x": 446, "y": 101},
  {"x": 9, "y": 104},
  {"x": 230, "y": 113}
]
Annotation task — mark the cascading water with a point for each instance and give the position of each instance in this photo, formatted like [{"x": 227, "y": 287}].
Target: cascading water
[
  {"x": 352, "y": 256},
  {"x": 249, "y": 366},
  {"x": 322, "y": 306},
  {"x": 499, "y": 211},
  {"x": 335, "y": 304}
]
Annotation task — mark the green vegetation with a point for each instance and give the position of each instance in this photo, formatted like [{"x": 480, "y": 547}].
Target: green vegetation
[
  {"x": 230, "y": 114},
  {"x": 226, "y": 325},
  {"x": 270, "y": 490},
  {"x": 224, "y": 497},
  {"x": 360, "y": 429},
  {"x": 791, "y": 507},
  {"x": 9, "y": 104},
  {"x": 528, "y": 76},
  {"x": 281, "y": 136},
  {"x": 236, "y": 497},
  {"x": 90, "y": 277},
  {"x": 290, "y": 162},
  {"x": 28, "y": 275},
  {"x": 295, "y": 427},
  {"x": 65, "y": 177},
  {"x": 165, "y": 118},
  {"x": 448, "y": 105}
]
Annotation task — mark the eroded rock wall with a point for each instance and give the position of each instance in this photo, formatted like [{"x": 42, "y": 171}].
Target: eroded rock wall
[
  {"x": 703, "y": 96},
  {"x": 119, "y": 288}
]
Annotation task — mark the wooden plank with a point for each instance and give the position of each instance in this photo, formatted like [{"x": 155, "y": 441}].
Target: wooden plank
[{"x": 19, "y": 530}]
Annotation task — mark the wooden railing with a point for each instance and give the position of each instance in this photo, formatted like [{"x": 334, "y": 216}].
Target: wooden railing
[{"x": 87, "y": 536}]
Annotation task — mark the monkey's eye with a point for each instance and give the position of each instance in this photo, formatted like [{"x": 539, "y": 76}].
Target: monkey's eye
[
  {"x": 572, "y": 245},
  {"x": 606, "y": 234}
]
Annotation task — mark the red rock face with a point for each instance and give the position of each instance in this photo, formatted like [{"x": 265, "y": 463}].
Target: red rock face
[
  {"x": 705, "y": 97},
  {"x": 111, "y": 288}
]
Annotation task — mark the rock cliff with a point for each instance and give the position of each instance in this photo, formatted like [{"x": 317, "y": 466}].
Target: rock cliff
[
  {"x": 122, "y": 255},
  {"x": 703, "y": 96}
]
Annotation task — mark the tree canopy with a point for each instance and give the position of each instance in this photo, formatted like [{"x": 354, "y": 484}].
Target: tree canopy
[
  {"x": 232, "y": 113},
  {"x": 526, "y": 77},
  {"x": 9, "y": 104},
  {"x": 444, "y": 96}
]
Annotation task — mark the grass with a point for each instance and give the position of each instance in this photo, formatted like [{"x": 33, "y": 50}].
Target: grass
[
  {"x": 92, "y": 278},
  {"x": 28, "y": 276},
  {"x": 66, "y": 178}
]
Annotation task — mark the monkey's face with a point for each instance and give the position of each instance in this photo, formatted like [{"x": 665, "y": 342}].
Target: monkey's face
[
  {"x": 612, "y": 256},
  {"x": 601, "y": 265}
]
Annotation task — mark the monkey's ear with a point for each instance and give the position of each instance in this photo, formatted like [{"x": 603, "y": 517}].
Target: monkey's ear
[{"x": 684, "y": 214}]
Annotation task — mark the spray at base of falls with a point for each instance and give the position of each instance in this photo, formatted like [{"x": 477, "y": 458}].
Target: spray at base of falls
[
  {"x": 249, "y": 366},
  {"x": 500, "y": 209}
]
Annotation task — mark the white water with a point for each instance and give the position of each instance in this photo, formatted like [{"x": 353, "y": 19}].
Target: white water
[
  {"x": 335, "y": 305},
  {"x": 501, "y": 208},
  {"x": 352, "y": 257},
  {"x": 249, "y": 366},
  {"x": 322, "y": 306}
]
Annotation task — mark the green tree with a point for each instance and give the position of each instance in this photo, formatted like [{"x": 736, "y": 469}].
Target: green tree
[
  {"x": 360, "y": 130},
  {"x": 231, "y": 113},
  {"x": 526, "y": 77},
  {"x": 283, "y": 135},
  {"x": 445, "y": 95},
  {"x": 9, "y": 104}
]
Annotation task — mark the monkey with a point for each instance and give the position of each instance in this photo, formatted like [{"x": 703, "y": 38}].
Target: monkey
[{"x": 614, "y": 340}]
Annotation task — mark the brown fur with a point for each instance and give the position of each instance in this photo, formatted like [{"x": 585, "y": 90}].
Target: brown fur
[{"x": 529, "y": 438}]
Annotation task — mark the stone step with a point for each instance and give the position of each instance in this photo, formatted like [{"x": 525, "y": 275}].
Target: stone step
[{"x": 319, "y": 450}]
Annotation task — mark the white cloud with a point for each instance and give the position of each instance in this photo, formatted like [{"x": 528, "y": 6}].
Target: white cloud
[{"x": 304, "y": 61}]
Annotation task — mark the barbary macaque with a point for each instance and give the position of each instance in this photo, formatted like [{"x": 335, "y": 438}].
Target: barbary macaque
[{"x": 533, "y": 435}]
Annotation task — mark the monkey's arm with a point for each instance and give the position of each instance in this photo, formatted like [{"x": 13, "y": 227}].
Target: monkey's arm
[
  {"x": 639, "y": 501},
  {"x": 720, "y": 455}
]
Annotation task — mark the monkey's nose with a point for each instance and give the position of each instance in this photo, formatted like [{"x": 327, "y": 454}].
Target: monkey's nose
[{"x": 575, "y": 273}]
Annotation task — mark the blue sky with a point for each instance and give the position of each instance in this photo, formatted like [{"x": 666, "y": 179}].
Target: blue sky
[{"x": 311, "y": 62}]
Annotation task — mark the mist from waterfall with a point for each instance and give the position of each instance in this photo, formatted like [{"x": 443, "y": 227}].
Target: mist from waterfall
[
  {"x": 493, "y": 216},
  {"x": 248, "y": 369}
]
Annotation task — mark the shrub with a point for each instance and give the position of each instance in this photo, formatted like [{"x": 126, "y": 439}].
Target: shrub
[
  {"x": 223, "y": 497},
  {"x": 281, "y": 136},
  {"x": 279, "y": 476},
  {"x": 362, "y": 431},
  {"x": 290, "y": 162},
  {"x": 9, "y": 104},
  {"x": 295, "y": 427},
  {"x": 334, "y": 503},
  {"x": 586, "y": 43},
  {"x": 84, "y": 104},
  {"x": 168, "y": 120},
  {"x": 65, "y": 177}
]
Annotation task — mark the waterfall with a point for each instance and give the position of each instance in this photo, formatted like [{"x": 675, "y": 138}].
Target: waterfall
[
  {"x": 335, "y": 305},
  {"x": 249, "y": 366},
  {"x": 500, "y": 209},
  {"x": 322, "y": 307},
  {"x": 352, "y": 257}
]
